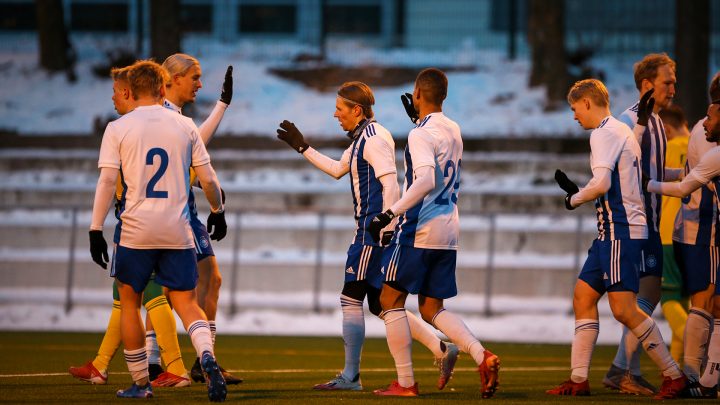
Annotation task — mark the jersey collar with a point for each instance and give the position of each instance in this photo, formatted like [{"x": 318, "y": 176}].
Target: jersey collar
[
  {"x": 360, "y": 128},
  {"x": 169, "y": 105}
]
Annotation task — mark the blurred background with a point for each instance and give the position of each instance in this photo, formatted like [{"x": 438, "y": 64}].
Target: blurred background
[{"x": 509, "y": 64}]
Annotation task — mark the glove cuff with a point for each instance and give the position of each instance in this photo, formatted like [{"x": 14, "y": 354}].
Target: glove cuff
[{"x": 302, "y": 148}]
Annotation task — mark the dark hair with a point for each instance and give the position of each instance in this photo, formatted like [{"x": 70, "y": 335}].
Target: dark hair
[
  {"x": 358, "y": 93},
  {"x": 673, "y": 116},
  {"x": 433, "y": 85},
  {"x": 715, "y": 87}
]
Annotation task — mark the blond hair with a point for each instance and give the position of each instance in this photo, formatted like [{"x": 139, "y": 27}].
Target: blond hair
[
  {"x": 647, "y": 68},
  {"x": 120, "y": 74},
  {"x": 147, "y": 78},
  {"x": 179, "y": 64},
  {"x": 358, "y": 93},
  {"x": 593, "y": 89}
]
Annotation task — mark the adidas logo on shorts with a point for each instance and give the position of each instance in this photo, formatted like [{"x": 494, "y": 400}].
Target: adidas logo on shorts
[{"x": 350, "y": 270}]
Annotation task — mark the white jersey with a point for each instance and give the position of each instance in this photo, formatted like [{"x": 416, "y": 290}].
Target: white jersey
[
  {"x": 652, "y": 147},
  {"x": 697, "y": 220},
  {"x": 434, "y": 222},
  {"x": 620, "y": 211},
  {"x": 370, "y": 156},
  {"x": 708, "y": 169},
  {"x": 153, "y": 148}
]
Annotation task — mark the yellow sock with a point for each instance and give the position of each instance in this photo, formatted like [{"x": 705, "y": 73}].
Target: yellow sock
[
  {"x": 163, "y": 322},
  {"x": 111, "y": 340},
  {"x": 676, "y": 316}
]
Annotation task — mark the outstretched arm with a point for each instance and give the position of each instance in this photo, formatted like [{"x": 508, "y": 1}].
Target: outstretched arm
[
  {"x": 675, "y": 189},
  {"x": 334, "y": 168}
]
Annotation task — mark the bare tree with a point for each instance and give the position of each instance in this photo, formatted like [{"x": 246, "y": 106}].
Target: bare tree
[
  {"x": 692, "y": 51},
  {"x": 56, "y": 51},
  {"x": 164, "y": 28},
  {"x": 546, "y": 37}
]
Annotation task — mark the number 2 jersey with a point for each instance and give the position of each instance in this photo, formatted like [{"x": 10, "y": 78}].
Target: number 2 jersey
[
  {"x": 621, "y": 210},
  {"x": 434, "y": 222},
  {"x": 153, "y": 148}
]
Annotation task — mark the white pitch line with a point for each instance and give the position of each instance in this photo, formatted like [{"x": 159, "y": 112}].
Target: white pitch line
[{"x": 315, "y": 370}]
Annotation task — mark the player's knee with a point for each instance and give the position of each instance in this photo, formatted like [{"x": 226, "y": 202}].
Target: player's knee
[{"x": 216, "y": 280}]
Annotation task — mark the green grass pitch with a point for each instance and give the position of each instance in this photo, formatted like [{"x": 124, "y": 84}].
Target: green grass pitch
[{"x": 283, "y": 369}]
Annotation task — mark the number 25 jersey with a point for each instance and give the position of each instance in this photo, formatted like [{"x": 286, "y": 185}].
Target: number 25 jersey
[
  {"x": 434, "y": 222},
  {"x": 153, "y": 148}
]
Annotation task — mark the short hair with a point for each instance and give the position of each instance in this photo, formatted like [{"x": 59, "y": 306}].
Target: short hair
[
  {"x": 593, "y": 89},
  {"x": 179, "y": 64},
  {"x": 120, "y": 74},
  {"x": 648, "y": 67},
  {"x": 147, "y": 78},
  {"x": 673, "y": 116},
  {"x": 715, "y": 88},
  {"x": 433, "y": 85},
  {"x": 358, "y": 93}
]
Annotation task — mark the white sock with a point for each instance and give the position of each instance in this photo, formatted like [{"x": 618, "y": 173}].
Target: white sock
[
  {"x": 201, "y": 337},
  {"x": 353, "y": 329},
  {"x": 423, "y": 333},
  {"x": 137, "y": 363},
  {"x": 712, "y": 370},
  {"x": 454, "y": 328},
  {"x": 400, "y": 344},
  {"x": 152, "y": 348},
  {"x": 649, "y": 336},
  {"x": 628, "y": 354},
  {"x": 697, "y": 332},
  {"x": 212, "y": 330},
  {"x": 586, "y": 334}
]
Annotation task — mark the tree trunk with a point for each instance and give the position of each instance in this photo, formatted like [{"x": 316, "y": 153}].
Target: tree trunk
[
  {"x": 56, "y": 52},
  {"x": 692, "y": 52},
  {"x": 164, "y": 28},
  {"x": 546, "y": 37}
]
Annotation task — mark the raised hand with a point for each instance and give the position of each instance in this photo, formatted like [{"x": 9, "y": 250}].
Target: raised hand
[
  {"x": 645, "y": 107},
  {"x": 292, "y": 136},
  {"x": 227, "y": 87},
  {"x": 409, "y": 107}
]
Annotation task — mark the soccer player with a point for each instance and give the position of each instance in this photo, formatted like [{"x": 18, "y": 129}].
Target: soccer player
[
  {"x": 370, "y": 161},
  {"x": 422, "y": 256},
  {"x": 151, "y": 149},
  {"x": 673, "y": 299},
  {"x": 185, "y": 73},
  {"x": 154, "y": 300},
  {"x": 700, "y": 260},
  {"x": 615, "y": 256},
  {"x": 654, "y": 77}
]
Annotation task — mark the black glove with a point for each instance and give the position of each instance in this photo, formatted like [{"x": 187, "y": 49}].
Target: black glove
[
  {"x": 222, "y": 195},
  {"x": 378, "y": 223},
  {"x": 645, "y": 180},
  {"x": 216, "y": 225},
  {"x": 98, "y": 249},
  {"x": 386, "y": 238},
  {"x": 292, "y": 136},
  {"x": 567, "y": 185},
  {"x": 409, "y": 107},
  {"x": 645, "y": 107},
  {"x": 226, "y": 93}
]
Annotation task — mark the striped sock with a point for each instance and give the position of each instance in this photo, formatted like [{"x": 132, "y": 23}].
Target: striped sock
[
  {"x": 697, "y": 332},
  {"x": 628, "y": 354},
  {"x": 137, "y": 364},
  {"x": 201, "y": 337},
  {"x": 712, "y": 370},
  {"x": 586, "y": 334},
  {"x": 353, "y": 330},
  {"x": 213, "y": 330},
  {"x": 652, "y": 341},
  {"x": 400, "y": 344},
  {"x": 152, "y": 348}
]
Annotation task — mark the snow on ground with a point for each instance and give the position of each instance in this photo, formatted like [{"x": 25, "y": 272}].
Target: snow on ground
[
  {"x": 546, "y": 320},
  {"x": 492, "y": 100}
]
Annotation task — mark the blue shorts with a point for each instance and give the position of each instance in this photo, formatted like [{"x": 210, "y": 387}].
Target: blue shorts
[
  {"x": 175, "y": 269},
  {"x": 363, "y": 263},
  {"x": 203, "y": 248},
  {"x": 613, "y": 265},
  {"x": 652, "y": 252},
  {"x": 698, "y": 265},
  {"x": 428, "y": 272}
]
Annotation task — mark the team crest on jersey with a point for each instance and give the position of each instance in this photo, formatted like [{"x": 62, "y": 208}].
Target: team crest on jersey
[
  {"x": 350, "y": 270},
  {"x": 204, "y": 243},
  {"x": 651, "y": 261}
]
